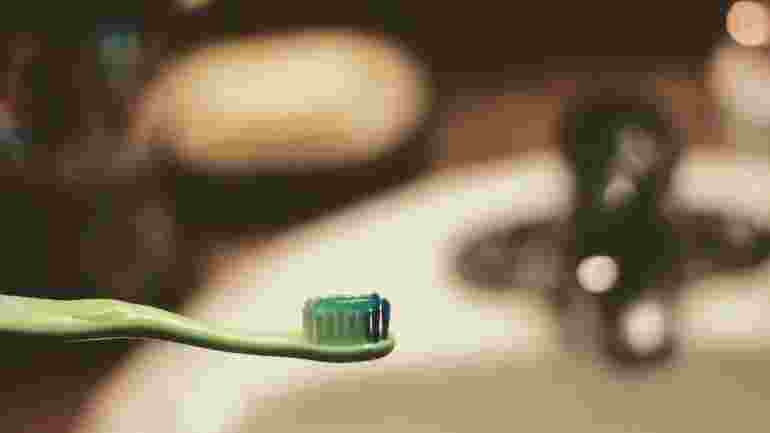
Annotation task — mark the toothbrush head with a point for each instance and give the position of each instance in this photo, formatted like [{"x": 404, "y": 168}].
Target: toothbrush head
[{"x": 345, "y": 323}]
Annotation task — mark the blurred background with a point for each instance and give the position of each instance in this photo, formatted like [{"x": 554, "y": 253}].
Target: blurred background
[{"x": 136, "y": 144}]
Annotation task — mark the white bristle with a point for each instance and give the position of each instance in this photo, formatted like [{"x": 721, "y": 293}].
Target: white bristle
[
  {"x": 331, "y": 324},
  {"x": 306, "y": 322},
  {"x": 363, "y": 320},
  {"x": 318, "y": 334},
  {"x": 351, "y": 324},
  {"x": 340, "y": 325}
]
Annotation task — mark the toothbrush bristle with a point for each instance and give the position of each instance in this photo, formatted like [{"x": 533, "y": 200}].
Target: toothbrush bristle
[
  {"x": 385, "y": 317},
  {"x": 346, "y": 320},
  {"x": 374, "y": 332}
]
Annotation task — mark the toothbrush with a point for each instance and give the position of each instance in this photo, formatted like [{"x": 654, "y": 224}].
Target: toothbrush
[{"x": 335, "y": 328}]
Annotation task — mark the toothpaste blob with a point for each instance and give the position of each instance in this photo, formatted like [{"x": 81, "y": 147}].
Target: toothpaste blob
[{"x": 343, "y": 320}]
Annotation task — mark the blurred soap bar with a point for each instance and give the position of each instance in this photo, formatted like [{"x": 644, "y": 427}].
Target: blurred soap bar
[{"x": 314, "y": 96}]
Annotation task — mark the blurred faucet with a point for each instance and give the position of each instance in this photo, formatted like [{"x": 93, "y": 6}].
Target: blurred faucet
[
  {"x": 615, "y": 265},
  {"x": 622, "y": 151}
]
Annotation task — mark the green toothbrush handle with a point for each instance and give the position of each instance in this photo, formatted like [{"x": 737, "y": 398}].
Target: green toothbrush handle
[{"x": 98, "y": 319}]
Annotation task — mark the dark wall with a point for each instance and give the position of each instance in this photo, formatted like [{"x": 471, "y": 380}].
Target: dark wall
[
  {"x": 486, "y": 35},
  {"x": 479, "y": 36}
]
